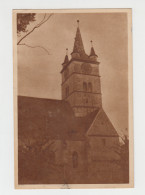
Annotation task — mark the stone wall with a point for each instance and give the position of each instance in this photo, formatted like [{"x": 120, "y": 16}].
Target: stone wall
[
  {"x": 84, "y": 101},
  {"x": 103, "y": 161},
  {"x": 64, "y": 150},
  {"x": 96, "y": 163},
  {"x": 75, "y": 67},
  {"x": 103, "y": 148}
]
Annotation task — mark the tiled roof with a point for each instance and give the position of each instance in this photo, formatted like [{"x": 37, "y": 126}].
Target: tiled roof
[
  {"x": 54, "y": 119},
  {"x": 102, "y": 126}
]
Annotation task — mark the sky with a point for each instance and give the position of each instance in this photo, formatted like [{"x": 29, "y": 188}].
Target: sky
[{"x": 39, "y": 73}]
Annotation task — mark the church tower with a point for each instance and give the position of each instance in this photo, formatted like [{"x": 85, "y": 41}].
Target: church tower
[{"x": 80, "y": 79}]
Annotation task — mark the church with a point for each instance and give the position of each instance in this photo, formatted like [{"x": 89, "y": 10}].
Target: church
[{"x": 69, "y": 141}]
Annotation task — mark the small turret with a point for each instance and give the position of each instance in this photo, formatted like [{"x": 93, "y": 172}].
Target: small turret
[
  {"x": 66, "y": 59},
  {"x": 93, "y": 55}
]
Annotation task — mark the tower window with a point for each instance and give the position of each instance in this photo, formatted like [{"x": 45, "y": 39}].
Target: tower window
[
  {"x": 90, "y": 87},
  {"x": 84, "y": 86},
  {"x": 75, "y": 159}
]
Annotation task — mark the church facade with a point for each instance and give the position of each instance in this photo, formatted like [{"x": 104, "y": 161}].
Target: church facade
[{"x": 70, "y": 140}]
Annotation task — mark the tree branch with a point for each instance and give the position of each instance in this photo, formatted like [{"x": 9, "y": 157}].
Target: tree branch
[
  {"x": 37, "y": 26},
  {"x": 24, "y": 44}
]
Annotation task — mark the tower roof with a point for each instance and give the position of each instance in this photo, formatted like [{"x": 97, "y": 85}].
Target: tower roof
[
  {"x": 78, "y": 44},
  {"x": 92, "y": 53},
  {"x": 66, "y": 60}
]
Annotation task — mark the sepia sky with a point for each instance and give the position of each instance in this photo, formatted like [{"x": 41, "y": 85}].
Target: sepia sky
[{"x": 39, "y": 73}]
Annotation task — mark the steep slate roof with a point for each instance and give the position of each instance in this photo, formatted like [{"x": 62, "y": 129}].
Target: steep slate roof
[
  {"x": 102, "y": 126},
  {"x": 38, "y": 117},
  {"x": 83, "y": 123},
  {"x": 92, "y": 52}
]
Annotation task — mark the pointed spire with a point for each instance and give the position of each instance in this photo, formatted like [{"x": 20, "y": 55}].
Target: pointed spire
[
  {"x": 91, "y": 43},
  {"x": 66, "y": 60},
  {"x": 78, "y": 44},
  {"x": 66, "y": 51},
  {"x": 78, "y": 23},
  {"x": 92, "y": 52}
]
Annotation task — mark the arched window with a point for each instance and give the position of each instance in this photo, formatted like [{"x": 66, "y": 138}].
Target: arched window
[
  {"x": 84, "y": 86},
  {"x": 75, "y": 159},
  {"x": 90, "y": 87}
]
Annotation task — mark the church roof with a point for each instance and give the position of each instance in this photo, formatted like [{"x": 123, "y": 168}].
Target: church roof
[
  {"x": 102, "y": 126},
  {"x": 39, "y": 117}
]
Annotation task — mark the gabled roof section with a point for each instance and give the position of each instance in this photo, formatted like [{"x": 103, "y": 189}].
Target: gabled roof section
[
  {"x": 53, "y": 119},
  {"x": 102, "y": 126},
  {"x": 83, "y": 123},
  {"x": 39, "y": 117}
]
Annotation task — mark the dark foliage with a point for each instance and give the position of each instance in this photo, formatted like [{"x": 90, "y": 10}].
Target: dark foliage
[
  {"x": 23, "y": 20},
  {"x": 125, "y": 159},
  {"x": 123, "y": 152}
]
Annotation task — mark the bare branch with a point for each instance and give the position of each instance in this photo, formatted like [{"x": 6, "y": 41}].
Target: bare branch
[
  {"x": 37, "y": 26},
  {"x": 42, "y": 20},
  {"x": 24, "y": 44}
]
